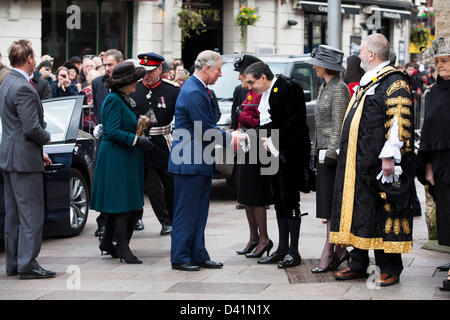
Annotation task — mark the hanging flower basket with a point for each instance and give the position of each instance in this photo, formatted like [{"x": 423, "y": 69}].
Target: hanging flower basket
[
  {"x": 246, "y": 17},
  {"x": 420, "y": 36},
  {"x": 190, "y": 22}
]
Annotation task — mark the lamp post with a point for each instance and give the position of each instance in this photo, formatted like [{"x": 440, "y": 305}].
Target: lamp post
[{"x": 334, "y": 24}]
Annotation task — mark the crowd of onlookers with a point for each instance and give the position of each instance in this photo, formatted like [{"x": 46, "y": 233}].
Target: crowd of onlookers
[
  {"x": 422, "y": 77},
  {"x": 76, "y": 75}
]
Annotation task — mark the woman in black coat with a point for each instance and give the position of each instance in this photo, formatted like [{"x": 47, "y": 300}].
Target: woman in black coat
[{"x": 435, "y": 142}]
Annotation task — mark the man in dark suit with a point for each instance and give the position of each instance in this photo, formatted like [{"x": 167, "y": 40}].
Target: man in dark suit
[
  {"x": 195, "y": 113},
  {"x": 111, "y": 59},
  {"x": 160, "y": 96},
  {"x": 283, "y": 108},
  {"x": 22, "y": 163}
]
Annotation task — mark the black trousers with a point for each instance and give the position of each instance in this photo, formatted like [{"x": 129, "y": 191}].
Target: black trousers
[
  {"x": 159, "y": 187},
  {"x": 390, "y": 263}
]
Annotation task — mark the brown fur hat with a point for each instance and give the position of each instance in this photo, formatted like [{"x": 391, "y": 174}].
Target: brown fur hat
[{"x": 124, "y": 74}]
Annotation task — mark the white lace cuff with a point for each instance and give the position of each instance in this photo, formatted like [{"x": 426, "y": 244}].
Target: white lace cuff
[{"x": 393, "y": 144}]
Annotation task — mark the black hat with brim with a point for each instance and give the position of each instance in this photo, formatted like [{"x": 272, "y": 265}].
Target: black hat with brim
[
  {"x": 327, "y": 57},
  {"x": 242, "y": 63},
  {"x": 123, "y": 74}
]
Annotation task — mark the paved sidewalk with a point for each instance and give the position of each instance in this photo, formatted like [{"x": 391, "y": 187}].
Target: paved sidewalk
[{"x": 241, "y": 278}]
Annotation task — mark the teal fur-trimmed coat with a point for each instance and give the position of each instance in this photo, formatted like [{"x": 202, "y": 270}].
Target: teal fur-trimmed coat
[{"x": 118, "y": 180}]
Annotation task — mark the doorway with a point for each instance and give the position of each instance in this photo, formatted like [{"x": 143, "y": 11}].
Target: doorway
[{"x": 212, "y": 37}]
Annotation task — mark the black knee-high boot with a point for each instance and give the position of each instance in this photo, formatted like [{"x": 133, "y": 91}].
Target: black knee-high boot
[
  {"x": 106, "y": 243},
  {"x": 294, "y": 232},
  {"x": 123, "y": 250},
  {"x": 283, "y": 236}
]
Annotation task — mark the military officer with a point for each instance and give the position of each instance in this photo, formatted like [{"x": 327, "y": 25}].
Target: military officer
[{"x": 160, "y": 96}]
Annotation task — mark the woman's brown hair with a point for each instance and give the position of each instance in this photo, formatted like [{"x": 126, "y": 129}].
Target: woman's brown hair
[{"x": 19, "y": 51}]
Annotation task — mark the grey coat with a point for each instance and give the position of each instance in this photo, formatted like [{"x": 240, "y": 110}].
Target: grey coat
[
  {"x": 330, "y": 110},
  {"x": 23, "y": 125}
]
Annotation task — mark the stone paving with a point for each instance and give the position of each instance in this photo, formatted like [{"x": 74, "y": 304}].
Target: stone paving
[{"x": 241, "y": 278}]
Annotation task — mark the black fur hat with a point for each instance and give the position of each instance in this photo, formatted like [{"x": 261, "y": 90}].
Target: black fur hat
[{"x": 124, "y": 74}]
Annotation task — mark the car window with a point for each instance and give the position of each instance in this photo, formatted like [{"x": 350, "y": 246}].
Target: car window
[
  {"x": 57, "y": 115},
  {"x": 225, "y": 85},
  {"x": 306, "y": 77}
]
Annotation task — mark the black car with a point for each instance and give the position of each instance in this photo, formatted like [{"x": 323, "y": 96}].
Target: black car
[{"x": 67, "y": 182}]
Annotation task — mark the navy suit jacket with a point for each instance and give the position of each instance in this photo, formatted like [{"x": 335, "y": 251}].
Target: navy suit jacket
[
  {"x": 99, "y": 93},
  {"x": 194, "y": 104}
]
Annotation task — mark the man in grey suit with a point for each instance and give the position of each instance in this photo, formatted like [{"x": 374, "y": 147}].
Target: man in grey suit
[{"x": 22, "y": 162}]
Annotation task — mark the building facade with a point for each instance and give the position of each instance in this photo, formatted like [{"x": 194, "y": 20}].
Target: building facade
[{"x": 65, "y": 28}]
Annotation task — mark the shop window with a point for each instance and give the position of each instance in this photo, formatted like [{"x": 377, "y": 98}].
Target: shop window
[
  {"x": 315, "y": 31},
  {"x": 105, "y": 24}
]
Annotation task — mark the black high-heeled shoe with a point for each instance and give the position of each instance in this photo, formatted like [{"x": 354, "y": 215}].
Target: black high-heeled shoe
[
  {"x": 331, "y": 266},
  {"x": 108, "y": 249},
  {"x": 346, "y": 257},
  {"x": 130, "y": 259},
  {"x": 249, "y": 249},
  {"x": 267, "y": 248}
]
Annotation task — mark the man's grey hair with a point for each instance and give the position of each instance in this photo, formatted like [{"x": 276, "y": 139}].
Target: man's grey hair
[
  {"x": 379, "y": 45},
  {"x": 207, "y": 58},
  {"x": 118, "y": 56}
]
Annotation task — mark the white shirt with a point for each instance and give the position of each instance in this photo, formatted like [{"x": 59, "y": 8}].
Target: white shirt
[
  {"x": 369, "y": 75},
  {"x": 23, "y": 73},
  {"x": 264, "y": 107}
]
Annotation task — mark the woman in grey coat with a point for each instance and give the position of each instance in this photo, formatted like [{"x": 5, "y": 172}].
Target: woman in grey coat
[{"x": 331, "y": 105}]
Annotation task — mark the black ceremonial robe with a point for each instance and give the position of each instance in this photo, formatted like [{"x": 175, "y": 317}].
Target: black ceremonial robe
[{"x": 362, "y": 216}]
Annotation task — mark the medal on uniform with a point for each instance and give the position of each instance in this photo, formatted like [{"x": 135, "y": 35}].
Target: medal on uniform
[
  {"x": 149, "y": 96},
  {"x": 162, "y": 104}
]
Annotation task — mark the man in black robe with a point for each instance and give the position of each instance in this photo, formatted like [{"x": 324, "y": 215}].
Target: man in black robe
[
  {"x": 282, "y": 108},
  {"x": 159, "y": 95},
  {"x": 373, "y": 195}
]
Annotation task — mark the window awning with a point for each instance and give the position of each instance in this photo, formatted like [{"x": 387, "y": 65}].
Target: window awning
[
  {"x": 322, "y": 7},
  {"x": 389, "y": 13}
]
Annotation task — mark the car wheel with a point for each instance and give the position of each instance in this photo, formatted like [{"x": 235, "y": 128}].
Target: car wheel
[{"x": 79, "y": 201}]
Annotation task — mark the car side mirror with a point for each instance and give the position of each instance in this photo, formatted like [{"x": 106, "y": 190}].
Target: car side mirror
[{"x": 307, "y": 95}]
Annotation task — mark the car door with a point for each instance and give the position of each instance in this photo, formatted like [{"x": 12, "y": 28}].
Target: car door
[
  {"x": 62, "y": 116},
  {"x": 306, "y": 77}
]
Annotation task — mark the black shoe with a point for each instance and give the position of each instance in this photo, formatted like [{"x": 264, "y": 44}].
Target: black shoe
[
  {"x": 255, "y": 254},
  {"x": 290, "y": 261},
  {"x": 165, "y": 230},
  {"x": 185, "y": 266},
  {"x": 131, "y": 259},
  {"x": 273, "y": 258},
  {"x": 12, "y": 273},
  {"x": 139, "y": 225},
  {"x": 108, "y": 249},
  {"x": 100, "y": 231},
  {"x": 331, "y": 266},
  {"x": 445, "y": 286},
  {"x": 240, "y": 206},
  {"x": 37, "y": 273},
  {"x": 210, "y": 265},
  {"x": 444, "y": 267},
  {"x": 250, "y": 249}
]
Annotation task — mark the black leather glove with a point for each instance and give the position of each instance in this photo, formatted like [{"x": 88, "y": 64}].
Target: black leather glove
[
  {"x": 144, "y": 142},
  {"x": 312, "y": 163},
  {"x": 330, "y": 162}
]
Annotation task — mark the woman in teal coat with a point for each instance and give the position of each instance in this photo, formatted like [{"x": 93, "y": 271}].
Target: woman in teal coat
[{"x": 118, "y": 180}]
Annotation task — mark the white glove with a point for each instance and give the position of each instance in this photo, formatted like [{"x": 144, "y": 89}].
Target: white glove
[
  {"x": 98, "y": 131},
  {"x": 392, "y": 177}
]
